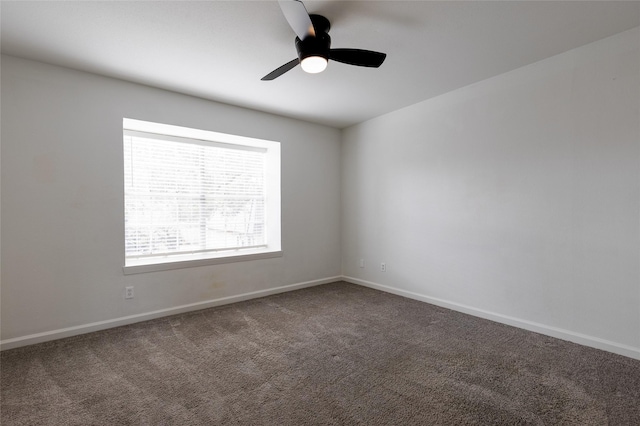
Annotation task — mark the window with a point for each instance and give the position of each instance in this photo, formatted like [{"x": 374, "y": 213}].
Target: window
[{"x": 196, "y": 197}]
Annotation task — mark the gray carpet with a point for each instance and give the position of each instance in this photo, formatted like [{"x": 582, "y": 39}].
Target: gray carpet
[{"x": 333, "y": 354}]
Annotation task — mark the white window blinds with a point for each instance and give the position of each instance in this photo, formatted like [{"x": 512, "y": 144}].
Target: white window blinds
[{"x": 190, "y": 196}]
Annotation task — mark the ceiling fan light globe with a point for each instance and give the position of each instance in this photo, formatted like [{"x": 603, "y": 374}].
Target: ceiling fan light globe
[{"x": 313, "y": 64}]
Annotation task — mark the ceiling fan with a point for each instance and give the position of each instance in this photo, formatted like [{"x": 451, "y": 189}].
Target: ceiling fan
[{"x": 314, "y": 44}]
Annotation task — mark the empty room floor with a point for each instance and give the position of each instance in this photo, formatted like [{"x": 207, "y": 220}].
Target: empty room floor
[{"x": 332, "y": 354}]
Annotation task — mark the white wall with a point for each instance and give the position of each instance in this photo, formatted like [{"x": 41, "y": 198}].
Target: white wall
[
  {"x": 516, "y": 198},
  {"x": 62, "y": 203}
]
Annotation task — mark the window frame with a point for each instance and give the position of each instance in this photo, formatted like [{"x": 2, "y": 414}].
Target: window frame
[{"x": 178, "y": 134}]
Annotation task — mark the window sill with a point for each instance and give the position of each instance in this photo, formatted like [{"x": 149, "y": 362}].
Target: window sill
[{"x": 140, "y": 266}]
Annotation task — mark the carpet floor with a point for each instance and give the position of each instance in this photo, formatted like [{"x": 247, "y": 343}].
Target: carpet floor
[{"x": 336, "y": 354}]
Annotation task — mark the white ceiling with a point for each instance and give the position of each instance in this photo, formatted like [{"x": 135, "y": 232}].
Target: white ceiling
[{"x": 219, "y": 50}]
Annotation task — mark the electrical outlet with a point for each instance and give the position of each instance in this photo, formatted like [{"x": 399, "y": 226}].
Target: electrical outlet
[
  {"x": 362, "y": 263},
  {"x": 383, "y": 267},
  {"x": 128, "y": 292}
]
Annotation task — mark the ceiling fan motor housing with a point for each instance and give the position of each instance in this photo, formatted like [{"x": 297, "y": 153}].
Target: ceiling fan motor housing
[{"x": 314, "y": 46}]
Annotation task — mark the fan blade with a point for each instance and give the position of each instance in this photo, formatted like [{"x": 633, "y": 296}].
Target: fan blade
[
  {"x": 281, "y": 70},
  {"x": 298, "y": 17},
  {"x": 359, "y": 57}
]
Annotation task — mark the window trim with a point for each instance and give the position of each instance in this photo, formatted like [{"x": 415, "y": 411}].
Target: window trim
[
  {"x": 159, "y": 264},
  {"x": 214, "y": 257}
]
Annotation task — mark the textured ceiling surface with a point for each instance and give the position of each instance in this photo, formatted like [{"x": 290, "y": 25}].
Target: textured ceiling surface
[{"x": 219, "y": 50}]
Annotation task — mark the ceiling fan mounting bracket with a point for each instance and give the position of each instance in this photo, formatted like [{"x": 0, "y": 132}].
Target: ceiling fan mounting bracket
[{"x": 320, "y": 24}]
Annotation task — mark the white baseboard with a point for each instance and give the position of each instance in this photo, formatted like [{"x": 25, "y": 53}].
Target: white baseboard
[
  {"x": 558, "y": 333},
  {"x": 131, "y": 319}
]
